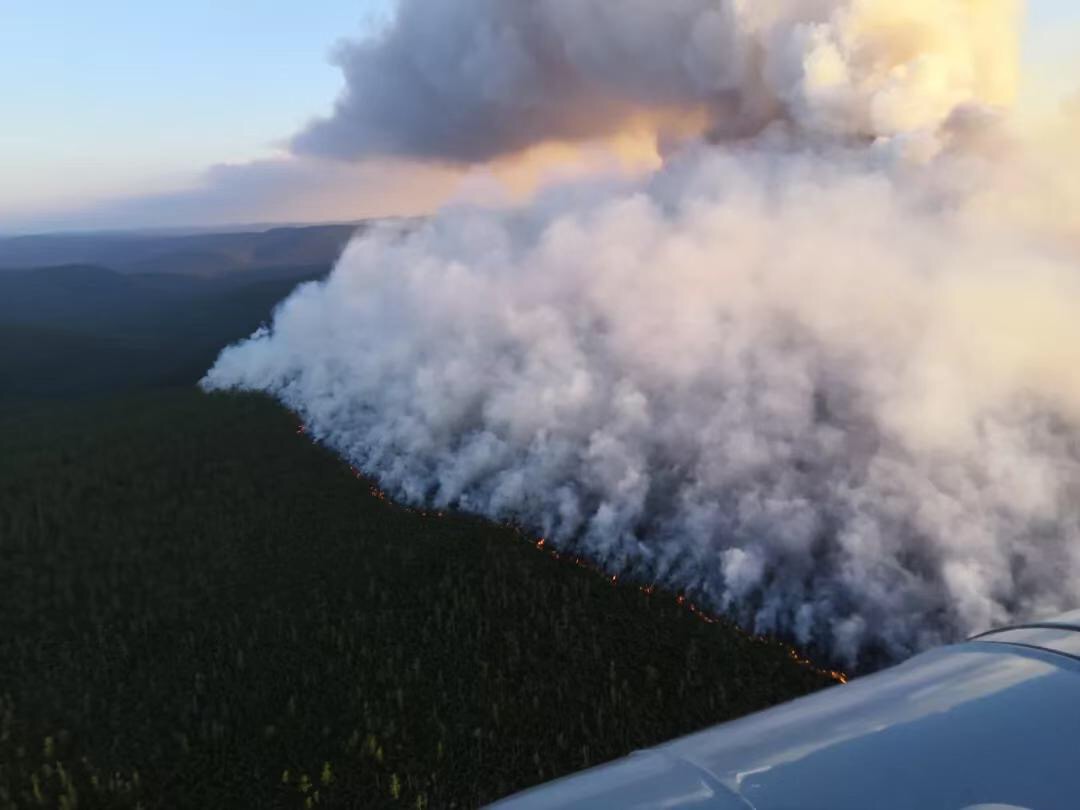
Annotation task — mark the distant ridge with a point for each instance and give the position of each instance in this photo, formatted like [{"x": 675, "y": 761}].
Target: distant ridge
[{"x": 200, "y": 254}]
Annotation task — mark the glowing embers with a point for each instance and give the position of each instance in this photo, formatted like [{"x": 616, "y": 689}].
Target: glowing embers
[
  {"x": 682, "y": 601},
  {"x": 648, "y": 589}
]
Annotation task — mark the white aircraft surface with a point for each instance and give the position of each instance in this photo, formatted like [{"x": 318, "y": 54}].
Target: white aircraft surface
[{"x": 990, "y": 724}]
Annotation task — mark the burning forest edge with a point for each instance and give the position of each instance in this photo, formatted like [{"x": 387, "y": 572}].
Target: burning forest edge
[
  {"x": 278, "y": 617},
  {"x": 649, "y": 589}
]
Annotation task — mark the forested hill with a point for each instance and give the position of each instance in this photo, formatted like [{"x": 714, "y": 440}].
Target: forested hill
[
  {"x": 83, "y": 329},
  {"x": 93, "y": 313}
]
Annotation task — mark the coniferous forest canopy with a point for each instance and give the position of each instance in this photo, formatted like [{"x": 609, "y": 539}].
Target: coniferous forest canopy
[{"x": 199, "y": 608}]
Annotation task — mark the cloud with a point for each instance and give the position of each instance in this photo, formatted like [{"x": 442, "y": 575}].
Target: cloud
[
  {"x": 471, "y": 80},
  {"x": 295, "y": 189}
]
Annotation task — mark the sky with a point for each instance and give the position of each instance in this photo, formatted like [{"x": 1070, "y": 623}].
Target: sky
[
  {"x": 124, "y": 97},
  {"x": 108, "y": 105}
]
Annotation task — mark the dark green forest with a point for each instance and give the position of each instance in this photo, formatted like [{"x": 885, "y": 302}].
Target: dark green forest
[{"x": 200, "y": 608}]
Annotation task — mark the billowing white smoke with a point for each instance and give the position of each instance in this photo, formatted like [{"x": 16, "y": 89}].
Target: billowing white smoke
[{"x": 815, "y": 382}]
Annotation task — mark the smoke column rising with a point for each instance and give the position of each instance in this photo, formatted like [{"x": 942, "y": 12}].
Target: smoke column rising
[
  {"x": 474, "y": 79},
  {"x": 817, "y": 370}
]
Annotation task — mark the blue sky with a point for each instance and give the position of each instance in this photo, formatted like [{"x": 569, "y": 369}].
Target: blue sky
[
  {"x": 126, "y": 97},
  {"x": 1052, "y": 44},
  {"x": 1050, "y": 12}
]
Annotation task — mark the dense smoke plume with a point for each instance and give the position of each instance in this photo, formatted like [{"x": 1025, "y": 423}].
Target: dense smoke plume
[
  {"x": 470, "y": 80},
  {"x": 817, "y": 370}
]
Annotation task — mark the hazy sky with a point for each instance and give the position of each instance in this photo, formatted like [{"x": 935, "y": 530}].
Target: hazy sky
[
  {"x": 128, "y": 98},
  {"x": 120, "y": 97}
]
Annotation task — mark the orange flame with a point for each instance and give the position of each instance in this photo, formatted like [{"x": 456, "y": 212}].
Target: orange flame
[{"x": 541, "y": 544}]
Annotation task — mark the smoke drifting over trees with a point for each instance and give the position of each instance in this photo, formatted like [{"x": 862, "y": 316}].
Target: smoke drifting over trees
[{"x": 819, "y": 374}]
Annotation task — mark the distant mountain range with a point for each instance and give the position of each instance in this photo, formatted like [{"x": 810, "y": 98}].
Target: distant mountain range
[
  {"x": 198, "y": 254},
  {"x": 79, "y": 329},
  {"x": 102, "y": 301},
  {"x": 99, "y": 313}
]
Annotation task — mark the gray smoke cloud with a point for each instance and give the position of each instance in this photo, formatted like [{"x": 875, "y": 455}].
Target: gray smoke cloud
[
  {"x": 470, "y": 80},
  {"x": 821, "y": 381}
]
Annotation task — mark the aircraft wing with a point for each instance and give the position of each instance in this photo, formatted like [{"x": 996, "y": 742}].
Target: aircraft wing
[{"x": 990, "y": 724}]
